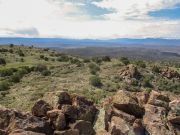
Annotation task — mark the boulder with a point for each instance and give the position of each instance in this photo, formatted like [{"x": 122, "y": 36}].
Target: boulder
[
  {"x": 84, "y": 127},
  {"x": 142, "y": 97},
  {"x": 57, "y": 119},
  {"x": 2, "y": 132},
  {"x": 67, "y": 132},
  {"x": 87, "y": 113},
  {"x": 118, "y": 126},
  {"x": 154, "y": 120},
  {"x": 123, "y": 101},
  {"x": 127, "y": 117},
  {"x": 57, "y": 99},
  {"x": 29, "y": 123},
  {"x": 22, "y": 132},
  {"x": 138, "y": 128},
  {"x": 174, "y": 113},
  {"x": 104, "y": 132},
  {"x": 71, "y": 112},
  {"x": 40, "y": 108},
  {"x": 80, "y": 101},
  {"x": 158, "y": 99},
  {"x": 6, "y": 116}
]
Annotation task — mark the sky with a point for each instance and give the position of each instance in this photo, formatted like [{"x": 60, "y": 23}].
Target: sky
[{"x": 90, "y": 19}]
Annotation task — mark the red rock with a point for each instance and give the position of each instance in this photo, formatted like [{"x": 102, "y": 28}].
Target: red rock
[
  {"x": 40, "y": 108},
  {"x": 84, "y": 127}
]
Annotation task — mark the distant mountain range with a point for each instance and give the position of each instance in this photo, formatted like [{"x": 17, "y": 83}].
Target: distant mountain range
[{"x": 73, "y": 43}]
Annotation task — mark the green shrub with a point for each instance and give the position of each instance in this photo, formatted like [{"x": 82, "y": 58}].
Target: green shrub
[
  {"x": 46, "y": 58},
  {"x": 94, "y": 68},
  {"x": 4, "y": 85},
  {"x": 86, "y": 60},
  {"x": 63, "y": 58},
  {"x": 106, "y": 58},
  {"x": 11, "y": 50},
  {"x": 2, "y": 61},
  {"x": 97, "y": 60},
  {"x": 95, "y": 81},
  {"x": 41, "y": 56},
  {"x": 141, "y": 64},
  {"x": 46, "y": 73},
  {"x": 7, "y": 72},
  {"x": 20, "y": 53},
  {"x": 40, "y": 68},
  {"x": 11, "y": 45},
  {"x": 22, "y": 60},
  {"x": 146, "y": 83},
  {"x": 156, "y": 69},
  {"x": 124, "y": 60},
  {"x": 15, "y": 78}
]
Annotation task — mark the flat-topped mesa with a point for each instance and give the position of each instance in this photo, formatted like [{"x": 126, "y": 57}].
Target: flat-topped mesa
[{"x": 62, "y": 114}]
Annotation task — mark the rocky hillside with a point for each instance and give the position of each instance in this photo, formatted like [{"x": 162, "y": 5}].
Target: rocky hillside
[
  {"x": 125, "y": 113},
  {"x": 45, "y": 92}
]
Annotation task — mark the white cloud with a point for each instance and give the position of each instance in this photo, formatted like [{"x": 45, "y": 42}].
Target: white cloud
[{"x": 61, "y": 18}]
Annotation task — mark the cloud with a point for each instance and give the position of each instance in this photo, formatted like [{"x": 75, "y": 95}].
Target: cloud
[
  {"x": 86, "y": 19},
  {"x": 23, "y": 32}
]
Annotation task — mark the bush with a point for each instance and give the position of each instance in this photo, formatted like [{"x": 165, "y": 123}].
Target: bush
[
  {"x": 46, "y": 58},
  {"x": 63, "y": 58},
  {"x": 15, "y": 78},
  {"x": 95, "y": 81},
  {"x": 94, "y": 68},
  {"x": 124, "y": 60},
  {"x": 11, "y": 50},
  {"x": 106, "y": 58},
  {"x": 7, "y": 72},
  {"x": 156, "y": 69},
  {"x": 11, "y": 45},
  {"x": 46, "y": 73},
  {"x": 40, "y": 68},
  {"x": 41, "y": 56},
  {"x": 2, "y": 61},
  {"x": 22, "y": 60},
  {"x": 20, "y": 53},
  {"x": 141, "y": 64},
  {"x": 146, "y": 83},
  {"x": 4, "y": 85},
  {"x": 86, "y": 60},
  {"x": 97, "y": 60}
]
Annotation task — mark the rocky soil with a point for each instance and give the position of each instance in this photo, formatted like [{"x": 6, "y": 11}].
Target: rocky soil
[{"x": 125, "y": 113}]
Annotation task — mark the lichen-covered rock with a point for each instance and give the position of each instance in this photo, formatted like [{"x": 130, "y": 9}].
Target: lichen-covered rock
[
  {"x": 40, "y": 108},
  {"x": 84, "y": 127},
  {"x": 71, "y": 112},
  {"x": 123, "y": 101},
  {"x": 57, "y": 99},
  {"x": 174, "y": 113},
  {"x": 80, "y": 101},
  {"x": 29, "y": 123},
  {"x": 154, "y": 120},
  {"x": 138, "y": 128},
  {"x": 67, "y": 132},
  {"x": 57, "y": 118},
  {"x": 142, "y": 98},
  {"x": 118, "y": 126},
  {"x": 6, "y": 116},
  {"x": 22, "y": 132},
  {"x": 159, "y": 99}
]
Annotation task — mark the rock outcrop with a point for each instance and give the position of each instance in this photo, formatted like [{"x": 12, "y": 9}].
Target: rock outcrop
[
  {"x": 125, "y": 113},
  {"x": 170, "y": 74},
  {"x": 141, "y": 114},
  {"x": 63, "y": 114}
]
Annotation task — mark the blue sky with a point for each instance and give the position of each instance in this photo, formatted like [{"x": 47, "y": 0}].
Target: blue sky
[{"x": 92, "y": 19}]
